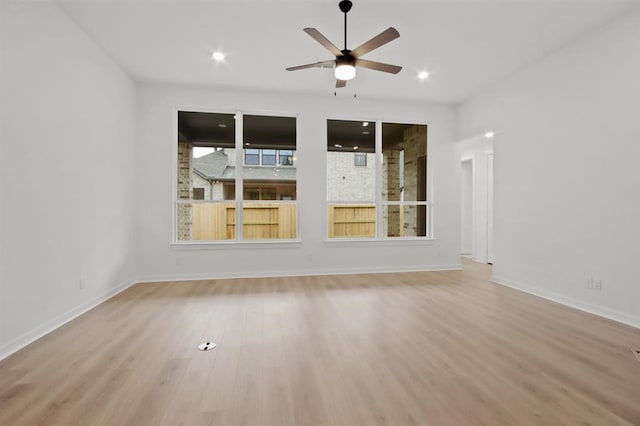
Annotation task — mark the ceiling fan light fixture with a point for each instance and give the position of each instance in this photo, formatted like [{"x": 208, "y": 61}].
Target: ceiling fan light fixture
[{"x": 345, "y": 72}]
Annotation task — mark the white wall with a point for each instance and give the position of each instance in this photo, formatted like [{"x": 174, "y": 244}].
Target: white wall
[
  {"x": 68, "y": 129},
  {"x": 476, "y": 149},
  {"x": 158, "y": 260},
  {"x": 567, "y": 197}
]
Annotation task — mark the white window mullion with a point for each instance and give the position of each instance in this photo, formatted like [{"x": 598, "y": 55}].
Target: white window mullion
[
  {"x": 378, "y": 184},
  {"x": 239, "y": 173}
]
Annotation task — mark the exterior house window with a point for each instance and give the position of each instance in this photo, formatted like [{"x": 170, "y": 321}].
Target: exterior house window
[
  {"x": 286, "y": 157},
  {"x": 198, "y": 193},
  {"x": 252, "y": 157},
  {"x": 268, "y": 157},
  {"x": 236, "y": 200}
]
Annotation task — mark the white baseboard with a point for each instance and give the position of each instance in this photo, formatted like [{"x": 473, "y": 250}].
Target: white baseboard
[
  {"x": 20, "y": 342},
  {"x": 601, "y": 311},
  {"x": 270, "y": 274}
]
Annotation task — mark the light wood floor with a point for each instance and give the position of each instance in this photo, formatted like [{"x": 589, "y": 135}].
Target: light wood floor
[{"x": 438, "y": 348}]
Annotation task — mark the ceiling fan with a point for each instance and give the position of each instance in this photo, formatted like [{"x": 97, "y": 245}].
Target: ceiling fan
[{"x": 347, "y": 60}]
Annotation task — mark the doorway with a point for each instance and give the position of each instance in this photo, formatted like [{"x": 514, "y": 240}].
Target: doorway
[{"x": 476, "y": 214}]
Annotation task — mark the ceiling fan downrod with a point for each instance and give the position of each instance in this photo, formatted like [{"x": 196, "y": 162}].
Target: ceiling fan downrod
[{"x": 345, "y": 7}]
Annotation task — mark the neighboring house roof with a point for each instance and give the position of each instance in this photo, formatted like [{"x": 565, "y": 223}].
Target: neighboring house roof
[
  {"x": 214, "y": 167},
  {"x": 211, "y": 166}
]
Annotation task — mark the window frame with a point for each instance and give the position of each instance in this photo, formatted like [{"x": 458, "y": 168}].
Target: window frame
[
  {"x": 380, "y": 204},
  {"x": 239, "y": 181}
]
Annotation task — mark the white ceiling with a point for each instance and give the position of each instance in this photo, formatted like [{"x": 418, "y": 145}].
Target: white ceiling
[{"x": 465, "y": 45}]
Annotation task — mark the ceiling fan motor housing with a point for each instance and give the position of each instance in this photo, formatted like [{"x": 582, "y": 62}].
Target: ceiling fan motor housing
[{"x": 347, "y": 59}]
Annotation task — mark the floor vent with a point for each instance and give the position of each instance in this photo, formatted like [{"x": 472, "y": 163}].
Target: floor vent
[{"x": 206, "y": 346}]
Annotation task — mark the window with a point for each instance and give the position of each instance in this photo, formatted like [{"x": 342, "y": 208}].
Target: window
[
  {"x": 261, "y": 199},
  {"x": 351, "y": 191},
  {"x": 360, "y": 159},
  {"x": 286, "y": 157},
  {"x": 252, "y": 157},
  {"x": 268, "y": 157},
  {"x": 404, "y": 180},
  {"x": 198, "y": 193},
  {"x": 271, "y": 210},
  {"x": 385, "y": 198}
]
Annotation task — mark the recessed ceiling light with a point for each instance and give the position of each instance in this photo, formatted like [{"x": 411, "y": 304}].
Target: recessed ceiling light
[
  {"x": 338, "y": 145},
  {"x": 365, "y": 123},
  {"x": 218, "y": 56},
  {"x": 222, "y": 125},
  {"x": 247, "y": 143},
  {"x": 489, "y": 134},
  {"x": 365, "y": 133},
  {"x": 423, "y": 75},
  {"x": 355, "y": 147}
]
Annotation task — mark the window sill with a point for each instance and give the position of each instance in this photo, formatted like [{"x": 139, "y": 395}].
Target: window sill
[
  {"x": 226, "y": 245},
  {"x": 400, "y": 241}
]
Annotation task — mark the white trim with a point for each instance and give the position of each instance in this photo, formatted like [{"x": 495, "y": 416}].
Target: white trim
[
  {"x": 470, "y": 160},
  {"x": 301, "y": 273},
  {"x": 392, "y": 241},
  {"x": 173, "y": 146},
  {"x": 230, "y": 244},
  {"x": 600, "y": 311},
  {"x": 490, "y": 207},
  {"x": 239, "y": 176},
  {"x": 42, "y": 330},
  {"x": 474, "y": 210},
  {"x": 377, "y": 180}
]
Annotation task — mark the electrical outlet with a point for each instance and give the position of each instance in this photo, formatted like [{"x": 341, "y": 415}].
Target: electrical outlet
[
  {"x": 588, "y": 283},
  {"x": 597, "y": 285}
]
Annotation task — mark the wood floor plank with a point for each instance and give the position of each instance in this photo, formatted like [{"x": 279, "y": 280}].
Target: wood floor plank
[{"x": 432, "y": 348}]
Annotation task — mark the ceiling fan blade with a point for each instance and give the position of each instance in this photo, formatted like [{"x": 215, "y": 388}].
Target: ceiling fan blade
[
  {"x": 381, "y": 39},
  {"x": 317, "y": 36},
  {"x": 323, "y": 64},
  {"x": 340, "y": 83},
  {"x": 378, "y": 66}
]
